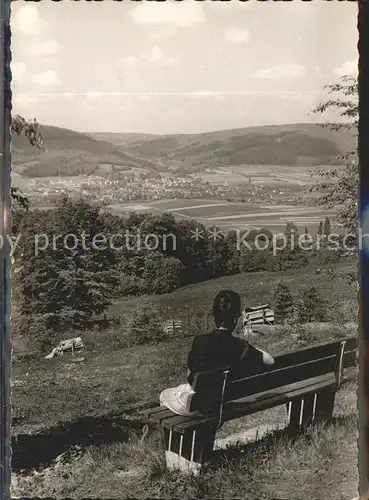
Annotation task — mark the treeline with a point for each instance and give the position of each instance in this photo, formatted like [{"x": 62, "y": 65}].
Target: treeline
[{"x": 72, "y": 261}]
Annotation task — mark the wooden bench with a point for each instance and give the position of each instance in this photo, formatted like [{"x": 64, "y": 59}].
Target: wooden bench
[{"x": 305, "y": 381}]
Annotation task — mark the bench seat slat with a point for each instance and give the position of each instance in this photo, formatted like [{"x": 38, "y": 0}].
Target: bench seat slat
[
  {"x": 153, "y": 411},
  {"x": 157, "y": 414}
]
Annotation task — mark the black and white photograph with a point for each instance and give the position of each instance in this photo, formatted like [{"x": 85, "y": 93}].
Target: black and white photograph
[{"x": 184, "y": 234}]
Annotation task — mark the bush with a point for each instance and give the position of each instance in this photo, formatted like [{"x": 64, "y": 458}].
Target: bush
[
  {"x": 145, "y": 325},
  {"x": 311, "y": 306}
]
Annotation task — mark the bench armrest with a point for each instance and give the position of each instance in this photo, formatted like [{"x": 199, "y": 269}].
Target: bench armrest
[
  {"x": 339, "y": 369},
  {"x": 220, "y": 416}
]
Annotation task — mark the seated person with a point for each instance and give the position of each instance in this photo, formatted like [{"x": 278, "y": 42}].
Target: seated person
[{"x": 216, "y": 349}]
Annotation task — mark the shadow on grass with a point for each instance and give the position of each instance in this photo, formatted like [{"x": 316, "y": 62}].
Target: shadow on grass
[
  {"x": 33, "y": 451},
  {"x": 257, "y": 450}
]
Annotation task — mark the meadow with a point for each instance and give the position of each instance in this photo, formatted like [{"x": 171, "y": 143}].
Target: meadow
[{"x": 227, "y": 215}]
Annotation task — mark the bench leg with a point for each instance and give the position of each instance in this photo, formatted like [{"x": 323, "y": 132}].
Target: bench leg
[
  {"x": 302, "y": 412},
  {"x": 324, "y": 406},
  {"x": 188, "y": 451}
]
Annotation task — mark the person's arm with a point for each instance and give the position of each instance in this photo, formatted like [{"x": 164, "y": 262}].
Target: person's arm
[{"x": 245, "y": 348}]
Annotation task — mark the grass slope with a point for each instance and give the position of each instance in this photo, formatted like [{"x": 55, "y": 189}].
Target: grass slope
[
  {"x": 254, "y": 288},
  {"x": 73, "y": 433},
  {"x": 305, "y": 144},
  {"x": 69, "y": 153}
]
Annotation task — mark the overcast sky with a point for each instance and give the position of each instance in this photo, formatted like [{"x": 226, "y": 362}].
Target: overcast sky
[{"x": 177, "y": 67}]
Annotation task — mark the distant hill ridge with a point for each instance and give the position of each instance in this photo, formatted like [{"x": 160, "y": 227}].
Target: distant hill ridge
[
  {"x": 71, "y": 153},
  {"x": 305, "y": 144},
  {"x": 68, "y": 152}
]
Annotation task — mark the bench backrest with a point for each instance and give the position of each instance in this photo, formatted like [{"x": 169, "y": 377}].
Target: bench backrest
[{"x": 288, "y": 368}]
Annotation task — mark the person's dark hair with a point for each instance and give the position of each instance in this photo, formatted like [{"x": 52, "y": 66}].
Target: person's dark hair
[{"x": 227, "y": 309}]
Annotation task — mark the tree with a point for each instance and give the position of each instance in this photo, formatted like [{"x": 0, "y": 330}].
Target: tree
[
  {"x": 233, "y": 258},
  {"x": 283, "y": 303},
  {"x": 327, "y": 227},
  {"x": 292, "y": 236},
  {"x": 145, "y": 325},
  {"x": 161, "y": 274},
  {"x": 312, "y": 306},
  {"x": 217, "y": 254},
  {"x": 345, "y": 191},
  {"x": 31, "y": 130},
  {"x": 69, "y": 278}
]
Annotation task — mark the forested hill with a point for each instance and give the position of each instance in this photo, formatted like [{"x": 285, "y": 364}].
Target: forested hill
[{"x": 294, "y": 144}]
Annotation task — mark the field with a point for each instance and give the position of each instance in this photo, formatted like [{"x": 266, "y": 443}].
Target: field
[
  {"x": 227, "y": 215},
  {"x": 88, "y": 433},
  {"x": 275, "y": 176}
]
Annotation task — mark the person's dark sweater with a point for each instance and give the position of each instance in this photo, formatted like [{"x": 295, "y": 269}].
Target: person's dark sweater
[{"x": 219, "y": 348}]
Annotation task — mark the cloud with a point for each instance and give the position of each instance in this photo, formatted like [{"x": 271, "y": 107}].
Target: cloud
[
  {"x": 154, "y": 57},
  {"x": 281, "y": 72},
  {"x": 347, "y": 68},
  {"x": 18, "y": 70},
  {"x": 48, "y": 78},
  {"x": 44, "y": 48},
  {"x": 27, "y": 21},
  {"x": 157, "y": 56},
  {"x": 237, "y": 35},
  {"x": 169, "y": 13}
]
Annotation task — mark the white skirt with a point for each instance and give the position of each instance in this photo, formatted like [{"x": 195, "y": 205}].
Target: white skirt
[{"x": 178, "y": 399}]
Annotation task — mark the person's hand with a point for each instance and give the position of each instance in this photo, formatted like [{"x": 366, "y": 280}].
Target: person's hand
[{"x": 267, "y": 359}]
